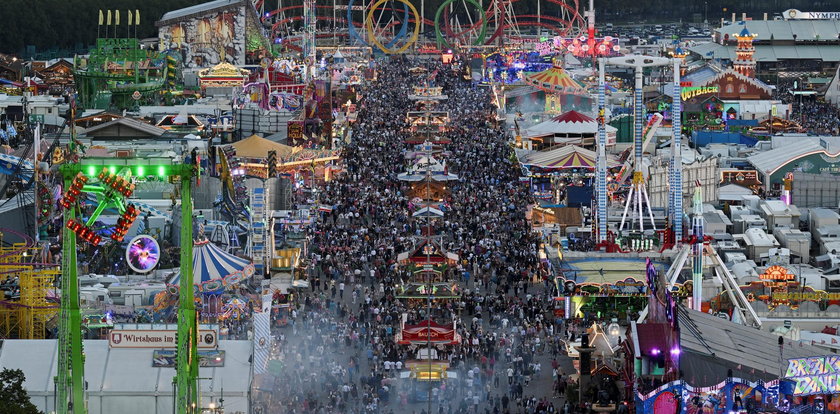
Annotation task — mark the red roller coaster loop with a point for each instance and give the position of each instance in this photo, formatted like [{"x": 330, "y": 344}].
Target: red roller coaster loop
[{"x": 559, "y": 25}]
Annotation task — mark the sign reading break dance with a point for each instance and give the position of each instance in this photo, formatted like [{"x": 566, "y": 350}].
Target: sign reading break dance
[{"x": 815, "y": 375}]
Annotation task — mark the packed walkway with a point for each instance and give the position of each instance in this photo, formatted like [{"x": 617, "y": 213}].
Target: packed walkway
[{"x": 338, "y": 351}]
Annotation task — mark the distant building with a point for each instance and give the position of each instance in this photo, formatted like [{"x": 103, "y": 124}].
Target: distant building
[
  {"x": 796, "y": 153},
  {"x": 779, "y": 45},
  {"x": 211, "y": 33}
]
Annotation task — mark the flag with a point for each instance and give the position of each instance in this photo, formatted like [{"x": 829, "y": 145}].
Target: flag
[
  {"x": 101, "y": 18},
  {"x": 130, "y": 21},
  {"x": 116, "y": 17},
  {"x": 137, "y": 17},
  {"x": 262, "y": 341}
]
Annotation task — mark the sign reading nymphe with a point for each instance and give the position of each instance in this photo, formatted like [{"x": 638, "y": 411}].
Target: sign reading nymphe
[
  {"x": 793, "y": 14},
  {"x": 126, "y": 338},
  {"x": 815, "y": 375}
]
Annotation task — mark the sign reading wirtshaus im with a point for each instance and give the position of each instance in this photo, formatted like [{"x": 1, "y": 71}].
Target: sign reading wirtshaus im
[{"x": 124, "y": 338}]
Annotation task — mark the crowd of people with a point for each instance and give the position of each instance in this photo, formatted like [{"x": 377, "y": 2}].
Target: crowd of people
[
  {"x": 813, "y": 114},
  {"x": 338, "y": 350}
]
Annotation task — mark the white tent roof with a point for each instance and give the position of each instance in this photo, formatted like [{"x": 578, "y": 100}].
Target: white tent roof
[
  {"x": 120, "y": 380},
  {"x": 733, "y": 192},
  {"x": 577, "y": 128},
  {"x": 428, "y": 212}
]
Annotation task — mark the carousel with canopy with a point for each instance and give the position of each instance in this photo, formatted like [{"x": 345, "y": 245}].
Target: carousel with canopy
[{"x": 218, "y": 284}]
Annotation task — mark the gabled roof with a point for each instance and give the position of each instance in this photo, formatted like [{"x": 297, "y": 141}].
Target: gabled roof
[
  {"x": 198, "y": 9},
  {"x": 712, "y": 345},
  {"x": 730, "y": 72},
  {"x": 256, "y": 146},
  {"x": 129, "y": 123},
  {"x": 57, "y": 63},
  {"x": 572, "y": 117},
  {"x": 701, "y": 76},
  {"x": 571, "y": 122}
]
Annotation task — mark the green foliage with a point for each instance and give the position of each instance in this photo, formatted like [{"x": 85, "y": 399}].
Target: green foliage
[
  {"x": 13, "y": 398},
  {"x": 72, "y": 24}
]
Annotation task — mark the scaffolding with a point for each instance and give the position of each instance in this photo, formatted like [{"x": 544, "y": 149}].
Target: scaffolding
[{"x": 26, "y": 316}]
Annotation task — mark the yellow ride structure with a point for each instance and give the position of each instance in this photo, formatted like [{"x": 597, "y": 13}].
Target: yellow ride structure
[{"x": 26, "y": 316}]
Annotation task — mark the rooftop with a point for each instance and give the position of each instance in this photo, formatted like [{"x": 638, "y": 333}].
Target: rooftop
[
  {"x": 198, "y": 9},
  {"x": 770, "y": 53},
  {"x": 131, "y": 124},
  {"x": 712, "y": 345},
  {"x": 759, "y": 238},
  {"x": 779, "y": 208},
  {"x": 774, "y": 30},
  {"x": 790, "y": 148}
]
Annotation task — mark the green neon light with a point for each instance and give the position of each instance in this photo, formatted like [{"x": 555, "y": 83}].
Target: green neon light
[
  {"x": 161, "y": 171},
  {"x": 91, "y": 170},
  {"x": 112, "y": 169},
  {"x": 141, "y": 171}
]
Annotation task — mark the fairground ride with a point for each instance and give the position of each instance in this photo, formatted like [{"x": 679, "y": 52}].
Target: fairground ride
[
  {"x": 392, "y": 25},
  {"x": 111, "y": 187},
  {"x": 118, "y": 73},
  {"x": 25, "y": 310},
  {"x": 636, "y": 234}
]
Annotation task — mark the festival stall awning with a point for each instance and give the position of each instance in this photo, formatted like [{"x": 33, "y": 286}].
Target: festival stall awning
[
  {"x": 555, "y": 80},
  {"x": 428, "y": 212},
  {"x": 213, "y": 268},
  {"x": 256, "y": 146},
  {"x": 426, "y": 290},
  {"x": 428, "y": 331},
  {"x": 417, "y": 171},
  {"x": 427, "y": 253},
  {"x": 568, "y": 156}
]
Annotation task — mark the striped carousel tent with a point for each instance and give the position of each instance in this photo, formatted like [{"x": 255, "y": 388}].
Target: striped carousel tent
[
  {"x": 555, "y": 80},
  {"x": 567, "y": 156},
  {"x": 214, "y": 269}
]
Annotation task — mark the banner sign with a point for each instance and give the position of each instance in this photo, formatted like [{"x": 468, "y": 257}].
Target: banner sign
[
  {"x": 165, "y": 358},
  {"x": 815, "y": 375},
  {"x": 126, "y": 338},
  {"x": 793, "y": 14},
  {"x": 802, "y": 296},
  {"x": 426, "y": 334},
  {"x": 689, "y": 92}
]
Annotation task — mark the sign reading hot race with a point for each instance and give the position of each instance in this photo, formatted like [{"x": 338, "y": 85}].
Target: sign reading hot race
[
  {"x": 815, "y": 375},
  {"x": 124, "y": 338}
]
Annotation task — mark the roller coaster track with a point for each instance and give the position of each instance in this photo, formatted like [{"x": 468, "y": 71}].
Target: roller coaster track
[{"x": 559, "y": 25}]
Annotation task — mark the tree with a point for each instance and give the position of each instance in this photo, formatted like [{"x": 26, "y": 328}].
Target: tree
[{"x": 13, "y": 398}]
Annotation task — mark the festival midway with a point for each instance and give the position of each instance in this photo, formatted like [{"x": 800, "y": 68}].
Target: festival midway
[{"x": 424, "y": 207}]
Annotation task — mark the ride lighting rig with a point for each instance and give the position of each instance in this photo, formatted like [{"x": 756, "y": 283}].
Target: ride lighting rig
[
  {"x": 113, "y": 190},
  {"x": 70, "y": 384}
]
